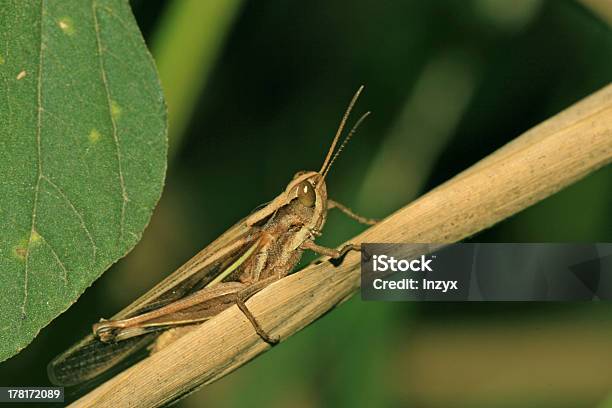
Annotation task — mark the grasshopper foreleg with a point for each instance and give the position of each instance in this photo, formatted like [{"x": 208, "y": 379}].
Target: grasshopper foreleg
[
  {"x": 348, "y": 212},
  {"x": 331, "y": 252}
]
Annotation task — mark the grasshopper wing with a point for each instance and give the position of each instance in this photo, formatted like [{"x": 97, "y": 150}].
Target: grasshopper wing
[{"x": 90, "y": 358}]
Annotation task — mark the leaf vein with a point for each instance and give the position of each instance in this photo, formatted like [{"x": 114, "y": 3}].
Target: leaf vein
[
  {"x": 124, "y": 194},
  {"x": 94, "y": 248},
  {"x": 39, "y": 156},
  {"x": 57, "y": 258}
]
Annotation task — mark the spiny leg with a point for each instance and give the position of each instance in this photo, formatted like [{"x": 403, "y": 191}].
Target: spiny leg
[
  {"x": 271, "y": 340},
  {"x": 363, "y": 220},
  {"x": 244, "y": 296},
  {"x": 197, "y": 307}
]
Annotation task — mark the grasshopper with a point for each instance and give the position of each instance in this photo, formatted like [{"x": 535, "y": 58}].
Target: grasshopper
[{"x": 258, "y": 250}]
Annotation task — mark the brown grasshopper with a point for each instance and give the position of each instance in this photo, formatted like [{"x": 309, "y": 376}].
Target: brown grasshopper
[{"x": 258, "y": 250}]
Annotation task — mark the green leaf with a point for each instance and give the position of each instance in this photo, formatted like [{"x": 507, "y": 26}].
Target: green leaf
[{"x": 82, "y": 153}]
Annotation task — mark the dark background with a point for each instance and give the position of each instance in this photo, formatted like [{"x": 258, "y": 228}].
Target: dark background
[{"x": 448, "y": 83}]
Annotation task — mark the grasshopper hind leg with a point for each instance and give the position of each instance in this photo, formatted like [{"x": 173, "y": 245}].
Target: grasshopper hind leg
[
  {"x": 271, "y": 340},
  {"x": 243, "y": 296}
]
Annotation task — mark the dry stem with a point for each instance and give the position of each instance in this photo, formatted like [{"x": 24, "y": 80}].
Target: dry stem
[{"x": 537, "y": 164}]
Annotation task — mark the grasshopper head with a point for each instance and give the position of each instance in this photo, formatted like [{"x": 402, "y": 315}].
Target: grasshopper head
[
  {"x": 307, "y": 189},
  {"x": 306, "y": 192}
]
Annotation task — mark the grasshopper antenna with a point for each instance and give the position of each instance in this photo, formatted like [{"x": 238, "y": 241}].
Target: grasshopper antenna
[
  {"x": 340, "y": 129},
  {"x": 344, "y": 142}
]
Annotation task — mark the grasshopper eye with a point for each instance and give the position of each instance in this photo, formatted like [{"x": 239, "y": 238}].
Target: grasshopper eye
[{"x": 306, "y": 194}]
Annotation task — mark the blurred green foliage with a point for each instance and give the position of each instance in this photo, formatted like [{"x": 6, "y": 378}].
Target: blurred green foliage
[
  {"x": 186, "y": 46},
  {"x": 448, "y": 82}
]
